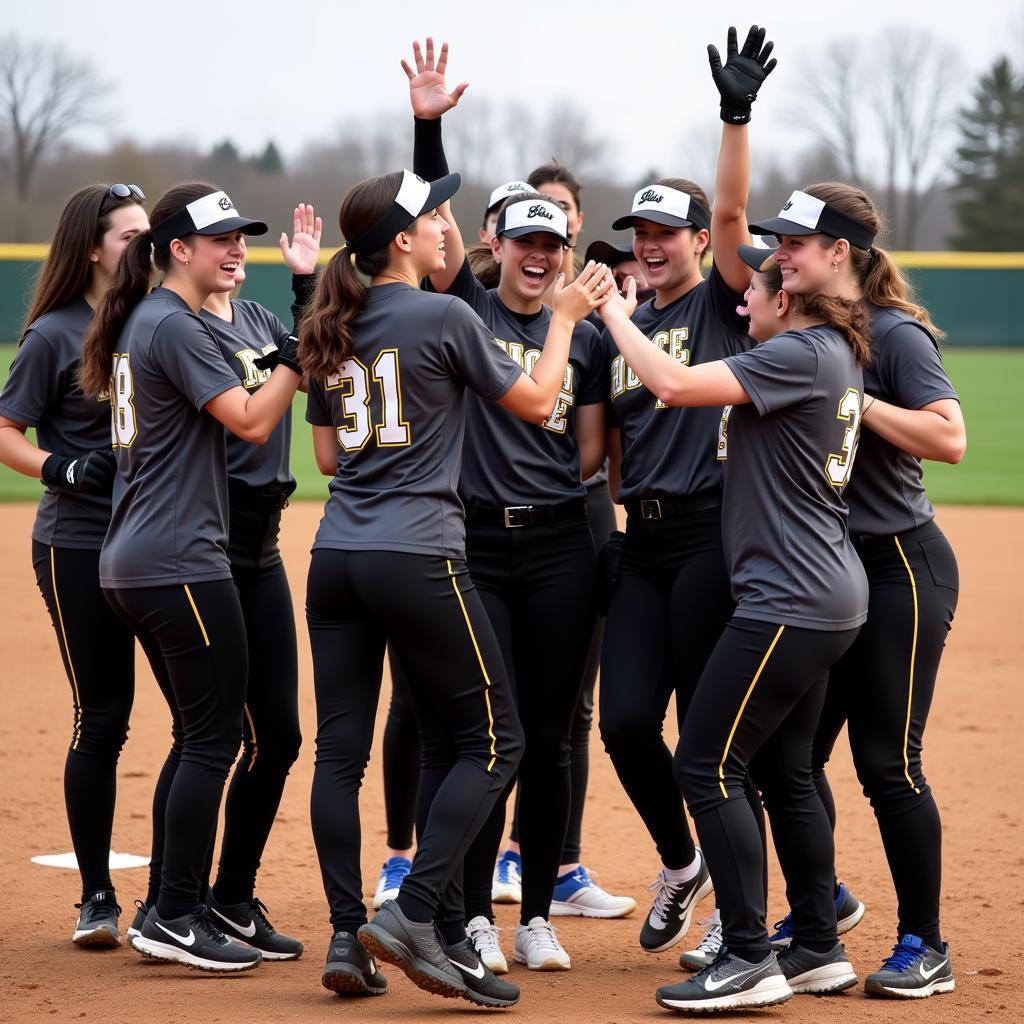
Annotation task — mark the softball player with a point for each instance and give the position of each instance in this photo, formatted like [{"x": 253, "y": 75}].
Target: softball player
[
  {"x": 388, "y": 367},
  {"x": 672, "y": 597},
  {"x": 259, "y": 482},
  {"x": 883, "y": 687},
  {"x": 801, "y": 597},
  {"x": 528, "y": 545},
  {"x": 74, "y": 461},
  {"x": 164, "y": 565}
]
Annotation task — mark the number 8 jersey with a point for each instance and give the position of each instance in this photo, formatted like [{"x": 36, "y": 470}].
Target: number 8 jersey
[
  {"x": 398, "y": 407},
  {"x": 169, "y": 520}
]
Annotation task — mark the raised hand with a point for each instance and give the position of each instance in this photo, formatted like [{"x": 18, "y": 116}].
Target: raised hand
[
  {"x": 616, "y": 305},
  {"x": 739, "y": 79},
  {"x": 428, "y": 91},
  {"x": 585, "y": 294},
  {"x": 300, "y": 255}
]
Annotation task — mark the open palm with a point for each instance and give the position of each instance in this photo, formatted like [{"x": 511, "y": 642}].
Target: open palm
[{"x": 428, "y": 91}]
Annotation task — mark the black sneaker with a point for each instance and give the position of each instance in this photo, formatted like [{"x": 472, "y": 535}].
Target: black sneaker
[
  {"x": 913, "y": 971},
  {"x": 728, "y": 983},
  {"x": 669, "y": 917},
  {"x": 248, "y": 923},
  {"x": 415, "y": 948},
  {"x": 350, "y": 970},
  {"x": 135, "y": 928},
  {"x": 817, "y": 974},
  {"x": 97, "y": 922},
  {"x": 194, "y": 940},
  {"x": 482, "y": 987}
]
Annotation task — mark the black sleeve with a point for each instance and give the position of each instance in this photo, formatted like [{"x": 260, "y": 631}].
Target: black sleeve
[
  {"x": 303, "y": 286},
  {"x": 724, "y": 302},
  {"x": 428, "y": 159}
]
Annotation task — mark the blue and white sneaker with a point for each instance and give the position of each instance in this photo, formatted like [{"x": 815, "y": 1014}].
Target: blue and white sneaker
[
  {"x": 849, "y": 911},
  {"x": 913, "y": 971},
  {"x": 392, "y": 873},
  {"x": 507, "y": 885},
  {"x": 577, "y": 895}
]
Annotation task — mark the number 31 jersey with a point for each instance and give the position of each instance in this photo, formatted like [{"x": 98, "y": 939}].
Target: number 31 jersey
[{"x": 398, "y": 407}]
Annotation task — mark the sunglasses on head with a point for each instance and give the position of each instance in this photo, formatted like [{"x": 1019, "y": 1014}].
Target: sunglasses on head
[{"x": 120, "y": 191}]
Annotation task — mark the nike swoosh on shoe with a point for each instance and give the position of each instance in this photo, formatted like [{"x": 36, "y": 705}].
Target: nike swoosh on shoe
[
  {"x": 477, "y": 972},
  {"x": 928, "y": 974},
  {"x": 713, "y": 986},
  {"x": 248, "y": 931},
  {"x": 185, "y": 940}
]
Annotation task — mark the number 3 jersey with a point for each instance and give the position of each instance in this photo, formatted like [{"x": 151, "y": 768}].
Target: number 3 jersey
[
  {"x": 398, "y": 407},
  {"x": 169, "y": 521},
  {"x": 791, "y": 451}
]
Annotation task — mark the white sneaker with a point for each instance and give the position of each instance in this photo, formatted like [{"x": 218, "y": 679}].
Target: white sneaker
[
  {"x": 708, "y": 947},
  {"x": 538, "y": 947},
  {"x": 392, "y": 873},
  {"x": 484, "y": 937},
  {"x": 579, "y": 896},
  {"x": 507, "y": 885}
]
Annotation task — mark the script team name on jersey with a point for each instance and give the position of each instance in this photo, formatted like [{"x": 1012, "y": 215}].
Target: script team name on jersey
[
  {"x": 673, "y": 341},
  {"x": 527, "y": 358}
]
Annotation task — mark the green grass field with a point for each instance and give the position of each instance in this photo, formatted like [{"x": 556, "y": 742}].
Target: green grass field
[{"x": 992, "y": 473}]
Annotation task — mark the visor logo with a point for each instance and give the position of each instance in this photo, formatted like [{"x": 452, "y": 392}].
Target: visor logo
[
  {"x": 538, "y": 211},
  {"x": 650, "y": 196},
  {"x": 789, "y": 204},
  {"x": 515, "y": 188},
  {"x": 225, "y": 204}
]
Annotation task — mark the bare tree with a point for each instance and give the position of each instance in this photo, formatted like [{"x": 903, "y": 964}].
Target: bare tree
[{"x": 44, "y": 93}]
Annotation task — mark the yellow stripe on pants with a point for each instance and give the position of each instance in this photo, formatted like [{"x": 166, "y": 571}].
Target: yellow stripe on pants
[
  {"x": 76, "y": 733},
  {"x": 913, "y": 660}
]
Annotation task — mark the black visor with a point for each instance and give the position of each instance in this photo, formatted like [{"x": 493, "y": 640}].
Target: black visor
[
  {"x": 212, "y": 214},
  {"x": 806, "y": 215}
]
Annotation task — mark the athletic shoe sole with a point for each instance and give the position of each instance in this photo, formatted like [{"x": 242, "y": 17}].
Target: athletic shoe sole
[
  {"x": 551, "y": 964},
  {"x": 494, "y": 965},
  {"x": 481, "y": 999},
  {"x": 851, "y": 920},
  {"x": 380, "y": 898},
  {"x": 933, "y": 989},
  {"x": 502, "y": 892},
  {"x": 172, "y": 954},
  {"x": 384, "y": 946},
  {"x": 96, "y": 938},
  {"x": 133, "y": 933},
  {"x": 768, "y": 992},
  {"x": 560, "y": 908},
  {"x": 348, "y": 980},
  {"x": 684, "y": 923},
  {"x": 824, "y": 981}
]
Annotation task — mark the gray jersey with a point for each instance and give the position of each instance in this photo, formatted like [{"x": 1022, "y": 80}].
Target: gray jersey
[
  {"x": 886, "y": 494},
  {"x": 671, "y": 451},
  {"x": 42, "y": 391},
  {"x": 505, "y": 460},
  {"x": 398, "y": 406},
  {"x": 254, "y": 332},
  {"x": 169, "y": 523},
  {"x": 791, "y": 451}
]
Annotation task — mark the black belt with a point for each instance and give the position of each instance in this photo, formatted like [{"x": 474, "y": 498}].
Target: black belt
[
  {"x": 263, "y": 499},
  {"x": 662, "y": 508},
  {"x": 524, "y": 515}
]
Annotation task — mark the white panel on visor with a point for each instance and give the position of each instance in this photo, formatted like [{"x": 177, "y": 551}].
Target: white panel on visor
[
  {"x": 664, "y": 200},
  {"x": 803, "y": 209},
  {"x": 510, "y": 188},
  {"x": 538, "y": 216},
  {"x": 413, "y": 193},
  {"x": 210, "y": 209}
]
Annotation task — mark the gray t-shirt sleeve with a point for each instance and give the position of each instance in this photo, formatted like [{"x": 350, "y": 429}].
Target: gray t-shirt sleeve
[
  {"x": 778, "y": 373},
  {"x": 910, "y": 369},
  {"x": 189, "y": 355},
  {"x": 468, "y": 351},
  {"x": 317, "y": 412},
  {"x": 35, "y": 383}
]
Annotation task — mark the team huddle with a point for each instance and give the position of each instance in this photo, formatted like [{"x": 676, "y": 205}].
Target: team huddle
[{"x": 478, "y": 407}]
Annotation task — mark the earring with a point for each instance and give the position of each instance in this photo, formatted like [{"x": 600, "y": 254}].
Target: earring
[
  {"x": 188, "y": 263},
  {"x": 835, "y": 267}
]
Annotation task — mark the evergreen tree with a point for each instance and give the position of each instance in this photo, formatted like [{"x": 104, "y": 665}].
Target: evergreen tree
[
  {"x": 990, "y": 164},
  {"x": 269, "y": 161}
]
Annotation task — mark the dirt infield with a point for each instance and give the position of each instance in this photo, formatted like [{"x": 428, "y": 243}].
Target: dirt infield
[{"x": 974, "y": 761}]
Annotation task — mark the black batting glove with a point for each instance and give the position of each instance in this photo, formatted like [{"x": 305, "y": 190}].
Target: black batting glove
[
  {"x": 286, "y": 354},
  {"x": 741, "y": 76},
  {"x": 92, "y": 473}
]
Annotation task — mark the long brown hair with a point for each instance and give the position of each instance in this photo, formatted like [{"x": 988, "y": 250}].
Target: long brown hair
[
  {"x": 67, "y": 268},
  {"x": 130, "y": 286},
  {"x": 559, "y": 174},
  {"x": 882, "y": 282},
  {"x": 325, "y": 334}
]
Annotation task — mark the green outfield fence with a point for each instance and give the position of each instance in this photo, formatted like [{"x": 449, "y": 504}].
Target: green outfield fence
[{"x": 977, "y": 298}]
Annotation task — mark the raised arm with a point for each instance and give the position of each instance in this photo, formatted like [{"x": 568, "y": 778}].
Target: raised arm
[
  {"x": 737, "y": 81},
  {"x": 935, "y": 431},
  {"x": 430, "y": 99}
]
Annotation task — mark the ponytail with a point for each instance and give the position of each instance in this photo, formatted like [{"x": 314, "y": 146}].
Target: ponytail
[
  {"x": 131, "y": 283},
  {"x": 884, "y": 284}
]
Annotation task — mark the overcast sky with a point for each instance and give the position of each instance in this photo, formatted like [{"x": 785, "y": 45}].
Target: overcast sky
[{"x": 202, "y": 71}]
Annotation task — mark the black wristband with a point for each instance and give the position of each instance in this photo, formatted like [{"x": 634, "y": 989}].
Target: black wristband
[
  {"x": 428, "y": 159},
  {"x": 733, "y": 114},
  {"x": 303, "y": 286}
]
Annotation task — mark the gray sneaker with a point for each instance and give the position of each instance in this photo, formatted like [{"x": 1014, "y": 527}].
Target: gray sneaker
[
  {"x": 97, "y": 921},
  {"x": 669, "y": 918},
  {"x": 414, "y": 947},
  {"x": 913, "y": 971},
  {"x": 818, "y": 974},
  {"x": 728, "y": 983}
]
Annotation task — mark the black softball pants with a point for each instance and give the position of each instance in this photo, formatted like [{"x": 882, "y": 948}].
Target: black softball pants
[
  {"x": 271, "y": 735},
  {"x": 883, "y": 689},
  {"x": 400, "y": 757},
  {"x": 427, "y": 607},
  {"x": 194, "y": 638},
  {"x": 755, "y": 710},
  {"x": 98, "y": 652},
  {"x": 538, "y": 584},
  {"x": 601, "y": 519},
  {"x": 666, "y": 613}
]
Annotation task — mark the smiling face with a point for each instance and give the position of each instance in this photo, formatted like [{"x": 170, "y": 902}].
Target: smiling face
[
  {"x": 806, "y": 262},
  {"x": 426, "y": 238},
  {"x": 124, "y": 223},
  {"x": 761, "y": 304},
  {"x": 216, "y": 260},
  {"x": 667, "y": 255},
  {"x": 528, "y": 264}
]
